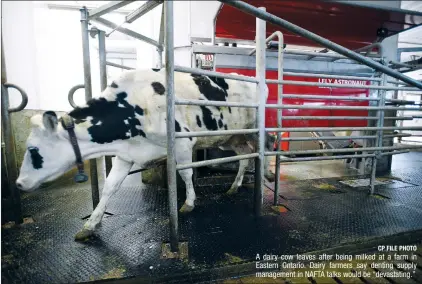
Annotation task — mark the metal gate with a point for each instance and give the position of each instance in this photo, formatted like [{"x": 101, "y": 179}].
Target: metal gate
[{"x": 374, "y": 153}]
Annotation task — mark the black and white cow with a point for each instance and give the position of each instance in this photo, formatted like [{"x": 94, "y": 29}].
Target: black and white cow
[{"x": 128, "y": 120}]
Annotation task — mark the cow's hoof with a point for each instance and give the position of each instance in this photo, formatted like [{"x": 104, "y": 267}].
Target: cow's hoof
[
  {"x": 83, "y": 235},
  {"x": 231, "y": 191},
  {"x": 186, "y": 209},
  {"x": 270, "y": 177}
]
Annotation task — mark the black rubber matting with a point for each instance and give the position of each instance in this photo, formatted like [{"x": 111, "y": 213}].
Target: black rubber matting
[{"x": 220, "y": 231}]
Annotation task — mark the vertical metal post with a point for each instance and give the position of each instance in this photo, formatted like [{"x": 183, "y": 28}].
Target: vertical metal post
[
  {"x": 379, "y": 139},
  {"x": 161, "y": 41},
  {"x": 260, "y": 117},
  {"x": 9, "y": 141},
  {"x": 88, "y": 96},
  {"x": 279, "y": 116},
  {"x": 103, "y": 81},
  {"x": 171, "y": 158}
]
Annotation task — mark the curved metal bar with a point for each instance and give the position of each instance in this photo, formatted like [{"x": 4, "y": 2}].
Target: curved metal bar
[
  {"x": 72, "y": 92},
  {"x": 23, "y": 94}
]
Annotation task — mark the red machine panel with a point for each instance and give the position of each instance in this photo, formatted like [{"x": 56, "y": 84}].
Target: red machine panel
[{"x": 271, "y": 114}]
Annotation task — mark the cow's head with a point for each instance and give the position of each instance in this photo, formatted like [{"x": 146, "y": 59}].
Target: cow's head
[{"x": 48, "y": 155}]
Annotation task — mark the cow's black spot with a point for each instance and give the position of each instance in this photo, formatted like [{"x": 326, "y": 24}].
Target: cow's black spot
[
  {"x": 209, "y": 91},
  {"x": 221, "y": 115},
  {"x": 158, "y": 88},
  {"x": 220, "y": 123},
  {"x": 230, "y": 109},
  {"x": 36, "y": 158},
  {"x": 139, "y": 110},
  {"x": 221, "y": 83},
  {"x": 116, "y": 119},
  {"x": 198, "y": 121},
  {"x": 225, "y": 126},
  {"x": 114, "y": 85},
  {"x": 209, "y": 120},
  {"x": 178, "y": 129}
]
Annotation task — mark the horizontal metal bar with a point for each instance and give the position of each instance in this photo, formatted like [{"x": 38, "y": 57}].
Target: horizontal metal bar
[
  {"x": 145, "y": 8},
  {"x": 329, "y": 55},
  {"x": 340, "y": 107},
  {"x": 283, "y": 159},
  {"x": 394, "y": 153},
  {"x": 327, "y": 76},
  {"x": 216, "y": 161},
  {"x": 214, "y": 103},
  {"x": 335, "y": 138},
  {"x": 119, "y": 65},
  {"x": 338, "y": 157},
  {"x": 348, "y": 86},
  {"x": 322, "y": 129},
  {"x": 322, "y": 138},
  {"x": 215, "y": 133},
  {"x": 215, "y": 74},
  {"x": 128, "y": 32},
  {"x": 333, "y": 151},
  {"x": 107, "y": 8},
  {"x": 328, "y": 97},
  {"x": 344, "y": 118}
]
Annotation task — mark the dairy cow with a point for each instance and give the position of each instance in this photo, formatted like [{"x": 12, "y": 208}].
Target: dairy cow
[{"x": 128, "y": 120}]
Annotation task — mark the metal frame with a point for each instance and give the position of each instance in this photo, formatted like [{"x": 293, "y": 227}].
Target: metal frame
[
  {"x": 8, "y": 138},
  {"x": 378, "y": 150},
  {"x": 262, "y": 16}
]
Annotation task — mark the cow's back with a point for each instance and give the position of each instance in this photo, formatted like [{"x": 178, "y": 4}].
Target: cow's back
[{"x": 147, "y": 89}]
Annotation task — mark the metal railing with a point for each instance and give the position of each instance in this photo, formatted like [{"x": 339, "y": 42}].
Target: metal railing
[
  {"x": 261, "y": 15},
  {"x": 374, "y": 153},
  {"x": 9, "y": 141}
]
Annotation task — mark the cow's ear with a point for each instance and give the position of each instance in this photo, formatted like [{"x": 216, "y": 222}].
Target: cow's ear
[{"x": 50, "y": 121}]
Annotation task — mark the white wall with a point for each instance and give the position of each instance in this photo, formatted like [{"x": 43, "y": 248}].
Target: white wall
[
  {"x": 43, "y": 51},
  {"x": 19, "y": 48}
]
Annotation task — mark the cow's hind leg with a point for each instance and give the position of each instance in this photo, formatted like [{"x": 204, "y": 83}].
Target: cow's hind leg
[
  {"x": 117, "y": 175},
  {"x": 184, "y": 156},
  {"x": 243, "y": 164}
]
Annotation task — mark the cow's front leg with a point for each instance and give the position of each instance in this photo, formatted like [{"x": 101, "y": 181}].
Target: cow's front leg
[{"x": 117, "y": 175}]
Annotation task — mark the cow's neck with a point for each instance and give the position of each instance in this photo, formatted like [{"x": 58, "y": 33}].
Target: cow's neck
[
  {"x": 104, "y": 126},
  {"x": 88, "y": 148}
]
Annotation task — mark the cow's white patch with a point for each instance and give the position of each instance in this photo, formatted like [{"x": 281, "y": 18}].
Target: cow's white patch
[{"x": 120, "y": 105}]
